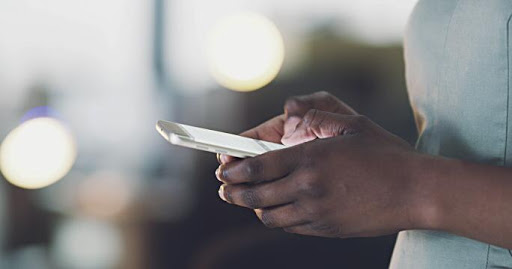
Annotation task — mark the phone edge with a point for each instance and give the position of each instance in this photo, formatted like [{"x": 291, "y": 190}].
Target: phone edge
[{"x": 189, "y": 143}]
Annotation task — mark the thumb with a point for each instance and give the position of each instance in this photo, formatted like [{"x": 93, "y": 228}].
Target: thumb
[
  {"x": 298, "y": 106},
  {"x": 321, "y": 124}
]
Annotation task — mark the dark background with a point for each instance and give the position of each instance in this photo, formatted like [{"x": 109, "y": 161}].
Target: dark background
[{"x": 174, "y": 218}]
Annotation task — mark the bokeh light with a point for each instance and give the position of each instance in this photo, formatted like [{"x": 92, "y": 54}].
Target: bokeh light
[
  {"x": 105, "y": 194},
  {"x": 87, "y": 244},
  {"x": 245, "y": 51},
  {"x": 37, "y": 153}
]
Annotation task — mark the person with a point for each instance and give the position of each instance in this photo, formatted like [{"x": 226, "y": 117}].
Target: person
[{"x": 343, "y": 176}]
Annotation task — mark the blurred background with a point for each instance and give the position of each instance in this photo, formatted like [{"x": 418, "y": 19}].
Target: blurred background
[{"x": 86, "y": 180}]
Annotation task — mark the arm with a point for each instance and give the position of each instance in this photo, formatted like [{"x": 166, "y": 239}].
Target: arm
[
  {"x": 468, "y": 199},
  {"x": 348, "y": 177}
]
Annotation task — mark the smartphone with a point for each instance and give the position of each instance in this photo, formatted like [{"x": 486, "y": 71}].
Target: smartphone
[{"x": 213, "y": 141}]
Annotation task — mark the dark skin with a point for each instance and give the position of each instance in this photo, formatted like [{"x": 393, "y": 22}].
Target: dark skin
[{"x": 344, "y": 176}]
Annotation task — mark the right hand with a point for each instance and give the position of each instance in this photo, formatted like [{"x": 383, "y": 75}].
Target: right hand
[{"x": 295, "y": 108}]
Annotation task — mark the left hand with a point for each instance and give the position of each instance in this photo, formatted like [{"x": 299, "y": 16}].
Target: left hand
[{"x": 352, "y": 179}]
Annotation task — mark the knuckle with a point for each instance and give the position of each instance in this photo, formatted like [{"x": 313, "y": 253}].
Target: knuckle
[
  {"x": 304, "y": 184},
  {"x": 253, "y": 168},
  {"x": 251, "y": 199},
  {"x": 324, "y": 95},
  {"x": 308, "y": 211},
  {"x": 293, "y": 104},
  {"x": 267, "y": 219},
  {"x": 326, "y": 99},
  {"x": 311, "y": 186},
  {"x": 310, "y": 116}
]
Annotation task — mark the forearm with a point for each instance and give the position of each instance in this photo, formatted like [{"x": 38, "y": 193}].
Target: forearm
[{"x": 468, "y": 199}]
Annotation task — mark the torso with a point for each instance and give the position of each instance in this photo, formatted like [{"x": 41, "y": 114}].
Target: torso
[{"x": 458, "y": 76}]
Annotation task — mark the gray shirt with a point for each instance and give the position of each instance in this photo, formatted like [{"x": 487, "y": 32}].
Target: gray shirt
[{"x": 458, "y": 76}]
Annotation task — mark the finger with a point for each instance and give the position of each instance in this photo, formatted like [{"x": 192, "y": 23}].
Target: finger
[
  {"x": 259, "y": 195},
  {"x": 271, "y": 130},
  {"x": 320, "y": 124},
  {"x": 266, "y": 167},
  {"x": 315, "y": 229},
  {"x": 299, "y": 105},
  {"x": 222, "y": 158},
  {"x": 290, "y": 125},
  {"x": 281, "y": 216}
]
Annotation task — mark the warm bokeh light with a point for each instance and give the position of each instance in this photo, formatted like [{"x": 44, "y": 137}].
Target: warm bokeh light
[
  {"x": 245, "y": 51},
  {"x": 105, "y": 194},
  {"x": 37, "y": 153}
]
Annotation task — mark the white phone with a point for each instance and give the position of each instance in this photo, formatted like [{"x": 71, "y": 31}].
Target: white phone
[{"x": 213, "y": 141}]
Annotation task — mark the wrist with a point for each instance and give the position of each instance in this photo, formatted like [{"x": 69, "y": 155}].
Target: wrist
[{"x": 427, "y": 208}]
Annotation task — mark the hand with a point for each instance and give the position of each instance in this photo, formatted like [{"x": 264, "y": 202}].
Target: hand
[
  {"x": 295, "y": 107},
  {"x": 356, "y": 180}
]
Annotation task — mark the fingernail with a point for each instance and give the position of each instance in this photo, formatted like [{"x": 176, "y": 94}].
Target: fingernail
[
  {"x": 221, "y": 173},
  {"x": 223, "y": 158},
  {"x": 218, "y": 174},
  {"x": 221, "y": 193}
]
